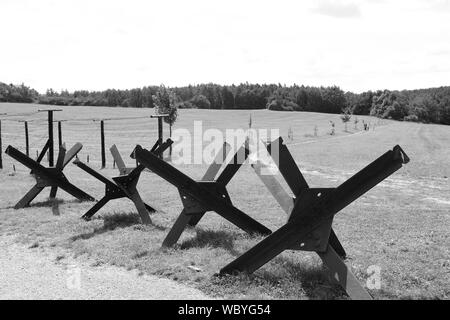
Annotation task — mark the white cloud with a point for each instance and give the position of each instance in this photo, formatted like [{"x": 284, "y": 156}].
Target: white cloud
[{"x": 102, "y": 44}]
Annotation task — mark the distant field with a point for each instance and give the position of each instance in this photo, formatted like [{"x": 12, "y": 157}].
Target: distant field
[
  {"x": 126, "y": 133},
  {"x": 401, "y": 225}
]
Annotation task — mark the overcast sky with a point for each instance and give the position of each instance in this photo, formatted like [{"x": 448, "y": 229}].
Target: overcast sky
[{"x": 100, "y": 44}]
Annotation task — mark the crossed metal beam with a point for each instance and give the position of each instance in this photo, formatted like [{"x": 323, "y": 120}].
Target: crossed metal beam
[
  {"x": 49, "y": 177},
  {"x": 122, "y": 186},
  {"x": 310, "y": 216},
  {"x": 199, "y": 197}
]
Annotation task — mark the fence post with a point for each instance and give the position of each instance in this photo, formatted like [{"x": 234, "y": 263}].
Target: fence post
[
  {"x": 27, "y": 144},
  {"x": 160, "y": 128},
  {"x": 102, "y": 138},
  {"x": 50, "y": 134},
  {"x": 50, "y": 138},
  {"x": 60, "y": 134}
]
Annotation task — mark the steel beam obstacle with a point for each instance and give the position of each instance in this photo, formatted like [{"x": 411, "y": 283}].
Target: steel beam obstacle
[
  {"x": 124, "y": 185},
  {"x": 199, "y": 197},
  {"x": 49, "y": 177},
  {"x": 310, "y": 216}
]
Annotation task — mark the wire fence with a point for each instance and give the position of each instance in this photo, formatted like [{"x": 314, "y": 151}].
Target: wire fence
[
  {"x": 126, "y": 127},
  {"x": 117, "y": 130}
]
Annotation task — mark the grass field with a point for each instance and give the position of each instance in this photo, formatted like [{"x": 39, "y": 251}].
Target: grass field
[{"x": 401, "y": 225}]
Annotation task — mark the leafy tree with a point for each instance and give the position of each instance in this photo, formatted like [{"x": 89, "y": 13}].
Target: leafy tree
[
  {"x": 333, "y": 99},
  {"x": 228, "y": 98},
  {"x": 135, "y": 99},
  {"x": 147, "y": 97},
  {"x": 201, "y": 102},
  {"x": 165, "y": 102},
  {"x": 389, "y": 104},
  {"x": 360, "y": 103}
]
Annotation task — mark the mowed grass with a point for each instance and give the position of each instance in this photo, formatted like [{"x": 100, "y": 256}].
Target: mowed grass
[{"x": 401, "y": 225}]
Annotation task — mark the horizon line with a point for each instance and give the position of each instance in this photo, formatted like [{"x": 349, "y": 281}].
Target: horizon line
[{"x": 220, "y": 84}]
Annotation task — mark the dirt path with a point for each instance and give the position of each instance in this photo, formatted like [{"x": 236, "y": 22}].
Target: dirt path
[{"x": 34, "y": 274}]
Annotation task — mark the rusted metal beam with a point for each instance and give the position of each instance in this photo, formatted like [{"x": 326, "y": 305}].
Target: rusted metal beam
[
  {"x": 313, "y": 211},
  {"x": 198, "y": 197},
  {"x": 122, "y": 186},
  {"x": 118, "y": 187},
  {"x": 47, "y": 177}
]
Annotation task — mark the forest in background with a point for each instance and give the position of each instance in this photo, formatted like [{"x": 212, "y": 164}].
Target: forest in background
[{"x": 422, "y": 105}]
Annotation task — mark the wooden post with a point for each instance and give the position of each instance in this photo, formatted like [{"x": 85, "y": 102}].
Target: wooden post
[
  {"x": 60, "y": 134},
  {"x": 27, "y": 144},
  {"x": 50, "y": 138},
  {"x": 170, "y": 136},
  {"x": 50, "y": 135},
  {"x": 160, "y": 128},
  {"x": 102, "y": 138},
  {"x": 1, "y": 161}
]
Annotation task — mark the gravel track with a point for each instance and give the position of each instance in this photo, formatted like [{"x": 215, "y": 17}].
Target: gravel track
[{"x": 27, "y": 273}]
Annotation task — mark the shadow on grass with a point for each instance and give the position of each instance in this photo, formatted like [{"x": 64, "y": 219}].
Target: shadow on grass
[
  {"x": 316, "y": 280},
  {"x": 112, "y": 222},
  {"x": 47, "y": 203},
  {"x": 298, "y": 280},
  {"x": 212, "y": 238}
]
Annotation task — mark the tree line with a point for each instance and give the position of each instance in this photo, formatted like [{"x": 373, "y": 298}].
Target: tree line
[
  {"x": 19, "y": 93},
  {"x": 424, "y": 105}
]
